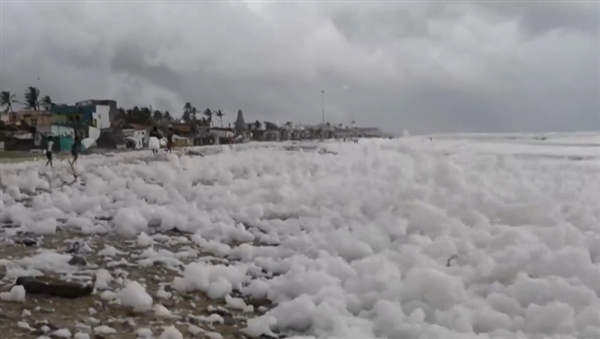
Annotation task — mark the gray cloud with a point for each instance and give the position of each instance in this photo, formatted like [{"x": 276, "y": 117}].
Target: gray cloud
[
  {"x": 543, "y": 17},
  {"x": 424, "y": 67}
]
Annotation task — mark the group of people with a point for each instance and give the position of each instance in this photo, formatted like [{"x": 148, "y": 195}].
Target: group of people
[
  {"x": 75, "y": 150},
  {"x": 76, "y": 147},
  {"x": 155, "y": 145}
]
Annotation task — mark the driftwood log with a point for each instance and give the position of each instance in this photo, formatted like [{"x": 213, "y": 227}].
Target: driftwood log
[{"x": 55, "y": 287}]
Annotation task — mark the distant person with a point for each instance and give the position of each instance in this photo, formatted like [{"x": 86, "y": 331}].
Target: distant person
[
  {"x": 49, "y": 152},
  {"x": 170, "y": 140},
  {"x": 154, "y": 141},
  {"x": 155, "y": 132},
  {"x": 75, "y": 148},
  {"x": 230, "y": 139}
]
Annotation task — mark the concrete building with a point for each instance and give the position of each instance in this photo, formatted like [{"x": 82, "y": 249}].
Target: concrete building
[
  {"x": 137, "y": 134},
  {"x": 96, "y": 116},
  {"x": 221, "y": 135},
  {"x": 113, "y": 110},
  {"x": 37, "y": 119}
]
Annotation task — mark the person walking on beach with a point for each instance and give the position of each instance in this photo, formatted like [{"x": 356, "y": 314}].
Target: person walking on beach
[
  {"x": 49, "y": 152},
  {"x": 154, "y": 140},
  {"x": 75, "y": 148},
  {"x": 230, "y": 139},
  {"x": 170, "y": 140}
]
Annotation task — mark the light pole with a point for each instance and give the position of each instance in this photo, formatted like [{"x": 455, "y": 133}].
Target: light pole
[{"x": 323, "y": 104}]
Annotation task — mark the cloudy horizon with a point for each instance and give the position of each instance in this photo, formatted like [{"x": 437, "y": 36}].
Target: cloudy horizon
[{"x": 423, "y": 67}]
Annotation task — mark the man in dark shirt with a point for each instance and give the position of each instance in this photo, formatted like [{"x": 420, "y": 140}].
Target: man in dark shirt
[
  {"x": 49, "y": 148},
  {"x": 170, "y": 140},
  {"x": 75, "y": 148}
]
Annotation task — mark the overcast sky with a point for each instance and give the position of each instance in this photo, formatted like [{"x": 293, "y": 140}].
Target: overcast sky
[{"x": 424, "y": 67}]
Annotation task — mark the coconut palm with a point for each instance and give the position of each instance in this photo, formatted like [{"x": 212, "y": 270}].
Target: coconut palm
[
  {"x": 186, "y": 117},
  {"x": 157, "y": 116},
  {"x": 187, "y": 111},
  {"x": 208, "y": 113},
  {"x": 32, "y": 98},
  {"x": 7, "y": 99},
  {"x": 220, "y": 115},
  {"x": 46, "y": 102}
]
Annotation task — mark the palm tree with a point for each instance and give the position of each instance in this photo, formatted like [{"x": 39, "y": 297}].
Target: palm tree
[
  {"x": 7, "y": 99},
  {"x": 32, "y": 96},
  {"x": 186, "y": 116},
  {"x": 145, "y": 115},
  {"x": 187, "y": 111},
  {"x": 209, "y": 115},
  {"x": 121, "y": 114},
  {"x": 46, "y": 102},
  {"x": 157, "y": 116},
  {"x": 220, "y": 115},
  {"x": 168, "y": 116}
]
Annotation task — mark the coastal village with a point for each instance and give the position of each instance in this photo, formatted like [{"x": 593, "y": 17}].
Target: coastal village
[{"x": 111, "y": 127}]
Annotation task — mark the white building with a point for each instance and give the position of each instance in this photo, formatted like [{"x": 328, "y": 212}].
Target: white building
[
  {"x": 101, "y": 117},
  {"x": 140, "y": 136}
]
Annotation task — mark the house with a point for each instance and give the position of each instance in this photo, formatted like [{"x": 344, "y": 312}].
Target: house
[
  {"x": 109, "y": 106},
  {"x": 62, "y": 142},
  {"x": 137, "y": 134},
  {"x": 75, "y": 116},
  {"x": 96, "y": 116},
  {"x": 20, "y": 142},
  {"x": 111, "y": 138},
  {"x": 7, "y": 117},
  {"x": 87, "y": 119},
  {"x": 181, "y": 128},
  {"x": 10, "y": 117},
  {"x": 60, "y": 130},
  {"x": 370, "y": 132},
  {"x": 38, "y": 119},
  {"x": 271, "y": 135},
  {"x": 221, "y": 135},
  {"x": 272, "y": 132},
  {"x": 179, "y": 141}
]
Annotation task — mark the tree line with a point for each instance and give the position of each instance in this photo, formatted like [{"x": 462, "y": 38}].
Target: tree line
[
  {"x": 139, "y": 115},
  {"x": 31, "y": 100},
  {"x": 191, "y": 116}
]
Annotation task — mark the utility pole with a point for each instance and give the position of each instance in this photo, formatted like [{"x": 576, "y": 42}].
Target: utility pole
[{"x": 323, "y": 104}]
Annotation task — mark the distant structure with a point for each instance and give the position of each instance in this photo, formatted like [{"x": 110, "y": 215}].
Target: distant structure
[
  {"x": 112, "y": 106},
  {"x": 240, "y": 123}
]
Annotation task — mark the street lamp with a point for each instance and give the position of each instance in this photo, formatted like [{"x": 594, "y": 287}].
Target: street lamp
[{"x": 323, "y": 104}]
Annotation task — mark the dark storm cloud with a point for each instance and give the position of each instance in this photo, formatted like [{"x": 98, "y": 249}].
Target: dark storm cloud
[
  {"x": 370, "y": 27},
  {"x": 538, "y": 18},
  {"x": 425, "y": 67},
  {"x": 129, "y": 58}
]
